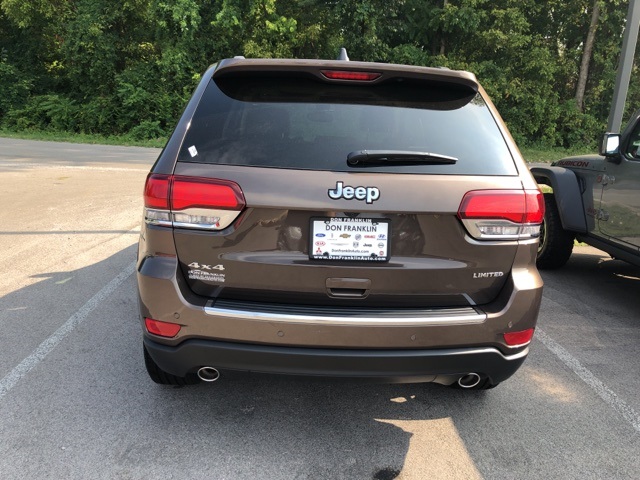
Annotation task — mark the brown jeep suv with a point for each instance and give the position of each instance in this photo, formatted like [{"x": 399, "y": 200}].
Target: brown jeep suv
[{"x": 338, "y": 218}]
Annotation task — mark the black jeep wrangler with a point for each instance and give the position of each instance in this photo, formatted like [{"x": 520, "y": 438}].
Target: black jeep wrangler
[{"x": 595, "y": 199}]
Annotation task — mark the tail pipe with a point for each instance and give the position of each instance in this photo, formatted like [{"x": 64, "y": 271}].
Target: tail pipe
[
  {"x": 469, "y": 380},
  {"x": 208, "y": 374}
]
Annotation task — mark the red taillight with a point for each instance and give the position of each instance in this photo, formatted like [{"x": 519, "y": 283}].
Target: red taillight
[
  {"x": 156, "y": 191},
  {"x": 518, "y": 338},
  {"x": 191, "y": 202},
  {"x": 496, "y": 204},
  {"x": 162, "y": 329},
  {"x": 535, "y": 206},
  {"x": 502, "y": 214},
  {"x": 348, "y": 75},
  {"x": 196, "y": 192}
]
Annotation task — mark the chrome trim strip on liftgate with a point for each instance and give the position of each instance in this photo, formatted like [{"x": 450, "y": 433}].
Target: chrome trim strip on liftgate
[{"x": 416, "y": 318}]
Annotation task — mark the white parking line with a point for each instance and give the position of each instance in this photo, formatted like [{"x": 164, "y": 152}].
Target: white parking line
[
  {"x": 24, "y": 367},
  {"x": 604, "y": 392},
  {"x": 71, "y": 167}
]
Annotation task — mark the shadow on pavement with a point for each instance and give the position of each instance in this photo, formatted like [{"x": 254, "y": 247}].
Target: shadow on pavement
[{"x": 88, "y": 410}]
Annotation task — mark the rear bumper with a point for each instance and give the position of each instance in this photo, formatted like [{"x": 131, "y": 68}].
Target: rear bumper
[{"x": 439, "y": 365}]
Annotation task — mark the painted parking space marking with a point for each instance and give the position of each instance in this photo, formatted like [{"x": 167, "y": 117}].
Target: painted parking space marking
[
  {"x": 604, "y": 392},
  {"x": 71, "y": 167},
  {"x": 30, "y": 362}
]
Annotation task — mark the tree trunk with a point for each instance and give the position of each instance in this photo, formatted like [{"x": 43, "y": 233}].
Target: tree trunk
[
  {"x": 443, "y": 43},
  {"x": 586, "y": 56}
]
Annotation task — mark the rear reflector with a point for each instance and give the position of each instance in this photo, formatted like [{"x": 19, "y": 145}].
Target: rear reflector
[
  {"x": 192, "y": 202},
  {"x": 502, "y": 214},
  {"x": 162, "y": 329},
  {"x": 514, "y": 339},
  {"x": 348, "y": 75}
]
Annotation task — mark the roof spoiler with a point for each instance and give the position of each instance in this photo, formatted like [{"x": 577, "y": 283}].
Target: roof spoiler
[{"x": 260, "y": 66}]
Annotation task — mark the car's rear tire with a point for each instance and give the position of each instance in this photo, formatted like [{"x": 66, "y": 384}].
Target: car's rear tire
[
  {"x": 556, "y": 243},
  {"x": 163, "y": 378}
]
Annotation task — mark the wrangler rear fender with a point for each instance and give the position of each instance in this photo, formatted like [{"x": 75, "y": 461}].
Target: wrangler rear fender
[{"x": 566, "y": 189}]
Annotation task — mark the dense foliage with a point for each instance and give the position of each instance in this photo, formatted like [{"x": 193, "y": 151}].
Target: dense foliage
[{"x": 128, "y": 66}]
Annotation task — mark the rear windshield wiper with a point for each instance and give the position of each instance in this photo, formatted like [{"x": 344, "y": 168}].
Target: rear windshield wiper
[{"x": 397, "y": 157}]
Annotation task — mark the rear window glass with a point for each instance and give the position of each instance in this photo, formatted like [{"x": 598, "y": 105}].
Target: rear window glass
[{"x": 302, "y": 123}]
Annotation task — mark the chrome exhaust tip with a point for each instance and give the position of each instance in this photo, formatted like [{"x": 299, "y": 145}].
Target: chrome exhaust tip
[
  {"x": 208, "y": 374},
  {"x": 469, "y": 380}
]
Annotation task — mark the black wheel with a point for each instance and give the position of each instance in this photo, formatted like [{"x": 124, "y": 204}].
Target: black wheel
[
  {"x": 556, "y": 243},
  {"x": 163, "y": 378}
]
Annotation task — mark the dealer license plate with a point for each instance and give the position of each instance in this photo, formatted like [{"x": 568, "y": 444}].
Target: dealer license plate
[{"x": 360, "y": 239}]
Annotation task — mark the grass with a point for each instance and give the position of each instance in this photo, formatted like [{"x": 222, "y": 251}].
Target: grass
[
  {"x": 53, "y": 136},
  {"x": 551, "y": 154}
]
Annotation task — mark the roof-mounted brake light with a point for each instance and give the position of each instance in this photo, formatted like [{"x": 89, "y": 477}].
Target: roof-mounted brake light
[{"x": 349, "y": 75}]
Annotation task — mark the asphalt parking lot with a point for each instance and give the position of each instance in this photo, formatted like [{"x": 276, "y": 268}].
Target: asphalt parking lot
[{"x": 75, "y": 401}]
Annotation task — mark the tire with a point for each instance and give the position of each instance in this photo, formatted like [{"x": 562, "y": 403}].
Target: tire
[
  {"x": 556, "y": 243},
  {"x": 163, "y": 378}
]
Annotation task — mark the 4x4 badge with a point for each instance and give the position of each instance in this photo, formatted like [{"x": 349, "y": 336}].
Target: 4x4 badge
[
  {"x": 202, "y": 266},
  {"x": 369, "y": 194}
]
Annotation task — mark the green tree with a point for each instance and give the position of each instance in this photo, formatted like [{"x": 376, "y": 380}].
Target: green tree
[
  {"x": 254, "y": 28},
  {"x": 129, "y": 66}
]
